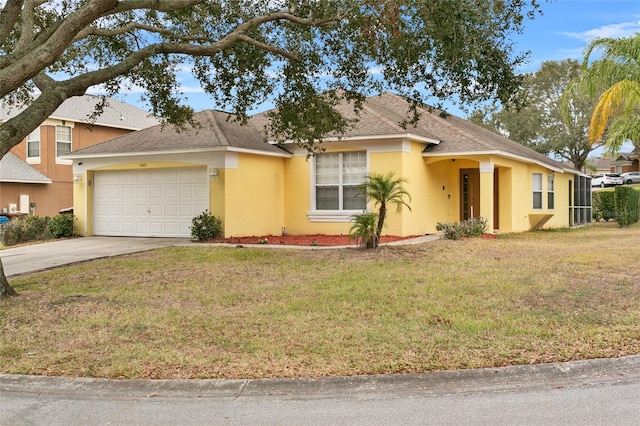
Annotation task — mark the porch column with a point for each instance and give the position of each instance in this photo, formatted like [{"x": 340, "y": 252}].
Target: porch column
[{"x": 486, "y": 193}]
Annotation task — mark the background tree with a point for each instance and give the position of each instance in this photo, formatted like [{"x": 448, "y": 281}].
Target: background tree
[
  {"x": 615, "y": 77},
  {"x": 245, "y": 52},
  {"x": 384, "y": 190},
  {"x": 541, "y": 123}
]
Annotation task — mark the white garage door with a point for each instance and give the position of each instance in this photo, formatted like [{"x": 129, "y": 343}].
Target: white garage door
[{"x": 149, "y": 203}]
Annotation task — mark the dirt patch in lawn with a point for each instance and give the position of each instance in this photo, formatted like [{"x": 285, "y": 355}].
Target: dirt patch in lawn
[{"x": 304, "y": 240}]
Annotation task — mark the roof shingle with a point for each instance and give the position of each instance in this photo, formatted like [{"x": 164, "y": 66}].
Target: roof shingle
[
  {"x": 78, "y": 109},
  {"x": 380, "y": 116},
  {"x": 214, "y": 129},
  {"x": 14, "y": 170}
]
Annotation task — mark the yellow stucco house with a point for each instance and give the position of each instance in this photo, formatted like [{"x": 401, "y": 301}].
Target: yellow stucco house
[{"x": 153, "y": 182}]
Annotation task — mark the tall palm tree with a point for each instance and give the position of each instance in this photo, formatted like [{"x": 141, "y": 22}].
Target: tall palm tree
[
  {"x": 616, "y": 75},
  {"x": 384, "y": 190}
]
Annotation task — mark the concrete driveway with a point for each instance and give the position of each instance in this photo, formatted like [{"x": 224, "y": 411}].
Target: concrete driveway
[{"x": 37, "y": 257}]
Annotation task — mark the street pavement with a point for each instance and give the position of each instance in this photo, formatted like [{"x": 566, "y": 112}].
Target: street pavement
[{"x": 594, "y": 392}]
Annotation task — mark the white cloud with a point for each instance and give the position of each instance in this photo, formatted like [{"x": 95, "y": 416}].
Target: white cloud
[{"x": 624, "y": 29}]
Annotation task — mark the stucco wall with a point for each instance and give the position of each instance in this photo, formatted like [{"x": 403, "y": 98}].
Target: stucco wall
[
  {"x": 254, "y": 196},
  {"x": 259, "y": 195}
]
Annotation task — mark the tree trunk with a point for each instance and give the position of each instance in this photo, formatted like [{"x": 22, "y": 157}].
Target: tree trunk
[
  {"x": 381, "y": 215},
  {"x": 5, "y": 289}
]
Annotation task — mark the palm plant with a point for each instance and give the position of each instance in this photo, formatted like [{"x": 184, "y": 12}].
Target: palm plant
[
  {"x": 384, "y": 190},
  {"x": 615, "y": 78},
  {"x": 363, "y": 229}
]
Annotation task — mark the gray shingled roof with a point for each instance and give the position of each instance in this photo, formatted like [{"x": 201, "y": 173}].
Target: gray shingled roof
[
  {"x": 13, "y": 169},
  {"x": 382, "y": 115},
  {"x": 77, "y": 109},
  {"x": 216, "y": 130}
]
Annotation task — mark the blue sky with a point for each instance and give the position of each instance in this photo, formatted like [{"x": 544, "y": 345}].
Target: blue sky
[
  {"x": 566, "y": 27},
  {"x": 561, "y": 32}
]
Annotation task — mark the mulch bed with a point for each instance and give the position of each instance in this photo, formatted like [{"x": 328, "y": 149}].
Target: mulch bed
[{"x": 302, "y": 240}]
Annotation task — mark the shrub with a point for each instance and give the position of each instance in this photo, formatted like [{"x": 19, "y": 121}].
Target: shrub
[
  {"x": 626, "y": 205},
  {"x": 61, "y": 226},
  {"x": 604, "y": 206},
  {"x": 13, "y": 232},
  {"x": 472, "y": 227},
  {"x": 205, "y": 227},
  {"x": 364, "y": 229},
  {"x": 36, "y": 228},
  {"x": 450, "y": 230}
]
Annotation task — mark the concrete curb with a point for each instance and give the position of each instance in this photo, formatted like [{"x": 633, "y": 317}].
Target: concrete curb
[{"x": 489, "y": 380}]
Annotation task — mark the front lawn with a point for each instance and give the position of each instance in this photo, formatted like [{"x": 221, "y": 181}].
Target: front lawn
[{"x": 215, "y": 312}]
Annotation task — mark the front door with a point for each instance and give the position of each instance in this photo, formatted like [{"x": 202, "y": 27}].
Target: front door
[{"x": 469, "y": 193}]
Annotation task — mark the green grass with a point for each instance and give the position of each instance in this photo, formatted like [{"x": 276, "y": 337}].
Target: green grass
[{"x": 202, "y": 312}]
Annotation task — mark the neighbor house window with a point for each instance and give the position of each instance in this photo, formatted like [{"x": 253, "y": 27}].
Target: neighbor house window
[
  {"x": 63, "y": 140},
  {"x": 33, "y": 147},
  {"x": 550, "y": 193},
  {"x": 338, "y": 176},
  {"x": 537, "y": 190}
]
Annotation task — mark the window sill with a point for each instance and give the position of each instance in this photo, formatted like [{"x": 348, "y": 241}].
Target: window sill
[
  {"x": 33, "y": 160},
  {"x": 64, "y": 162},
  {"x": 334, "y": 216}
]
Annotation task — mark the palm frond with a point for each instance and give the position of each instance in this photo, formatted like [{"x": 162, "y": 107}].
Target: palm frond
[
  {"x": 621, "y": 98},
  {"x": 623, "y": 129}
]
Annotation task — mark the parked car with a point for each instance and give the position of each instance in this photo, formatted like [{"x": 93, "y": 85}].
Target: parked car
[
  {"x": 606, "y": 179},
  {"x": 630, "y": 177}
]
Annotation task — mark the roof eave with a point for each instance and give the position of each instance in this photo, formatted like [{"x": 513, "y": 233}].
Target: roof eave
[
  {"x": 411, "y": 136},
  {"x": 44, "y": 182},
  {"x": 173, "y": 152},
  {"x": 502, "y": 154}
]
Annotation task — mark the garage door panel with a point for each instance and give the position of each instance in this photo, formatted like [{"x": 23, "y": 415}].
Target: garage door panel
[
  {"x": 171, "y": 228},
  {"x": 127, "y": 193},
  {"x": 127, "y": 228},
  {"x": 171, "y": 210},
  {"x": 156, "y": 192},
  {"x": 149, "y": 202},
  {"x": 155, "y": 211},
  {"x": 170, "y": 192},
  {"x": 127, "y": 209}
]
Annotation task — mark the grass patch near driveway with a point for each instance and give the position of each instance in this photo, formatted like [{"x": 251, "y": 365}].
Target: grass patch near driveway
[{"x": 215, "y": 312}]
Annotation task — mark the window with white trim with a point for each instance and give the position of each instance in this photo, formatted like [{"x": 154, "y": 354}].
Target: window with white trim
[
  {"x": 551, "y": 201},
  {"x": 63, "y": 140},
  {"x": 33, "y": 146},
  {"x": 537, "y": 190},
  {"x": 338, "y": 175}
]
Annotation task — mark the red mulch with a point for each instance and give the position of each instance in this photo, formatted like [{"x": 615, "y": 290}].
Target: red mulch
[{"x": 302, "y": 240}]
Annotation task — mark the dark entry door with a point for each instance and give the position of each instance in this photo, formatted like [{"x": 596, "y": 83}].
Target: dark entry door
[{"x": 469, "y": 193}]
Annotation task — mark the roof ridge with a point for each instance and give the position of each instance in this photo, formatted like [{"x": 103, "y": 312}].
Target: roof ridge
[
  {"x": 381, "y": 116},
  {"x": 212, "y": 118}
]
